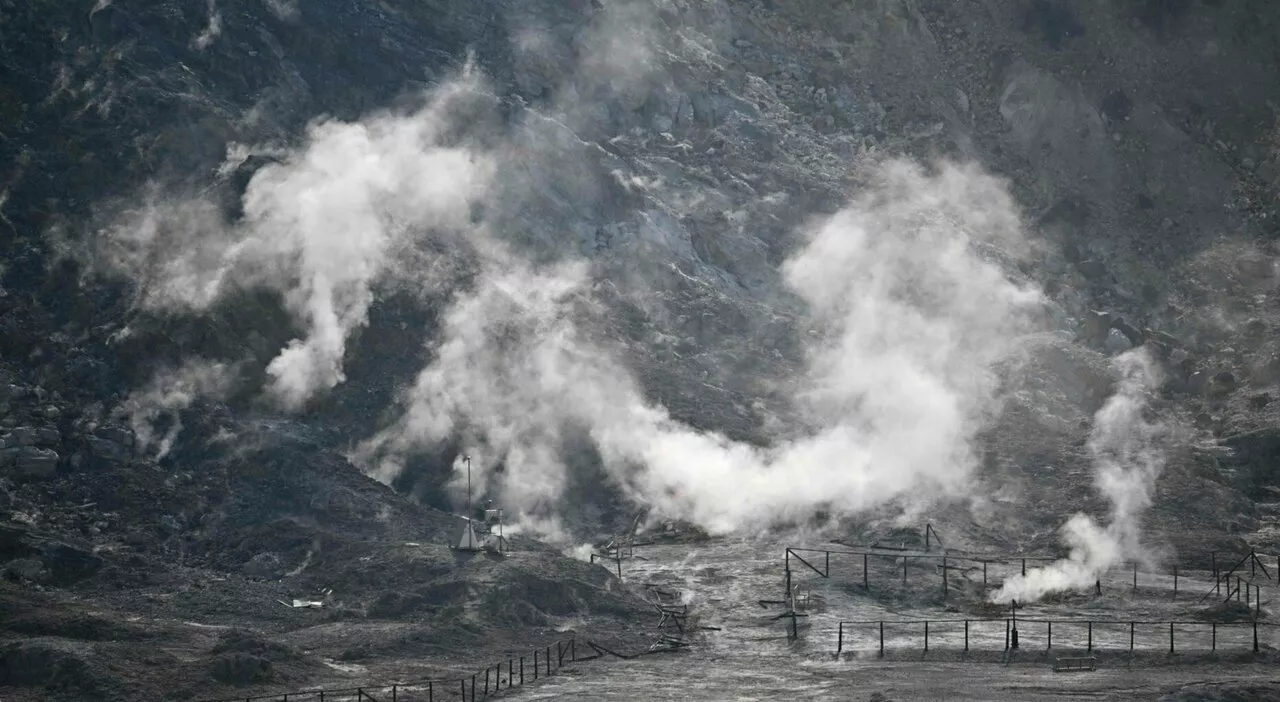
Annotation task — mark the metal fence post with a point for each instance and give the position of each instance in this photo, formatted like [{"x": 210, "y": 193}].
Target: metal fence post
[
  {"x": 1049, "y": 647},
  {"x": 486, "y": 680},
  {"x": 463, "y": 683},
  {"x": 1170, "y": 637},
  {"x": 966, "y": 635},
  {"x": 1130, "y": 637},
  {"x": 1255, "y": 637},
  {"x": 1006, "y": 634},
  {"x": 840, "y": 639},
  {"x": 1024, "y": 566},
  {"x": 1090, "y": 636},
  {"x": 926, "y": 636},
  {"x": 521, "y": 670},
  {"x": 473, "y": 688},
  {"x": 431, "y": 691},
  {"x": 882, "y": 639},
  {"x": 984, "y": 575}
]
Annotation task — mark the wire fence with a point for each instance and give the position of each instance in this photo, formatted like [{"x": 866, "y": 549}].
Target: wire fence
[
  {"x": 505, "y": 675},
  {"x": 884, "y": 566},
  {"x": 1087, "y": 634}
]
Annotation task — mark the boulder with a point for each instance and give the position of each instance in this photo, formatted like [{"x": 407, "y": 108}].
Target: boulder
[
  {"x": 241, "y": 669},
  {"x": 109, "y": 450},
  {"x": 1116, "y": 342},
  {"x": 1093, "y": 269},
  {"x": 1130, "y": 332},
  {"x": 18, "y": 437},
  {"x": 30, "y": 462}
]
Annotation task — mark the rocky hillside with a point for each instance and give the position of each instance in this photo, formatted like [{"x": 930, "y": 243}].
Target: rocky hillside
[{"x": 646, "y": 176}]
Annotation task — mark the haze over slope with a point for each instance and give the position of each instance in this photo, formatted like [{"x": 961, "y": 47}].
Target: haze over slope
[{"x": 741, "y": 262}]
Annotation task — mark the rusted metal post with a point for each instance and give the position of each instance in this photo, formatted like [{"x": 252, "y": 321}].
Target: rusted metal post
[
  {"x": 535, "y": 665},
  {"x": 1214, "y": 640},
  {"x": 473, "y": 688},
  {"x": 882, "y": 638},
  {"x": 431, "y": 691},
  {"x": 926, "y": 636},
  {"x": 1090, "y": 648},
  {"x": 1130, "y": 637},
  {"x": 966, "y": 634},
  {"x": 394, "y": 689},
  {"x": 521, "y": 670},
  {"x": 1049, "y": 646},
  {"x": 1170, "y": 637},
  {"x": 840, "y": 640},
  {"x": 1006, "y": 634},
  {"x": 463, "y": 684}
]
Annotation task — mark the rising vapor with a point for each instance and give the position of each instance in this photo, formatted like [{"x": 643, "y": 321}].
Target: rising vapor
[
  {"x": 912, "y": 318},
  {"x": 909, "y": 302},
  {"x": 1127, "y": 460},
  {"x": 319, "y": 225}
]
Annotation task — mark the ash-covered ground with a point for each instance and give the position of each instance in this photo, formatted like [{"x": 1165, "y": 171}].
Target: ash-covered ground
[{"x": 269, "y": 269}]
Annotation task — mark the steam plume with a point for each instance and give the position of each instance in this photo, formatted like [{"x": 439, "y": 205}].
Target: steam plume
[
  {"x": 163, "y": 399},
  {"x": 912, "y": 318},
  {"x": 318, "y": 225},
  {"x": 1127, "y": 461}
]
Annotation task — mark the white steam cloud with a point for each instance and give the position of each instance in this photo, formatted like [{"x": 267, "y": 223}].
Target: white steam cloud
[
  {"x": 911, "y": 319},
  {"x": 910, "y": 306},
  {"x": 169, "y": 393},
  {"x": 1128, "y": 459},
  {"x": 319, "y": 226}
]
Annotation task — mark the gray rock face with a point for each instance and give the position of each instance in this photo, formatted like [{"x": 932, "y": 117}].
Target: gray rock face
[{"x": 30, "y": 462}]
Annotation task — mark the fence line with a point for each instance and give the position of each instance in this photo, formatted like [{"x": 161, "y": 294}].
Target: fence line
[
  {"x": 1011, "y": 641},
  {"x": 946, "y": 561},
  {"x": 479, "y": 685}
]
